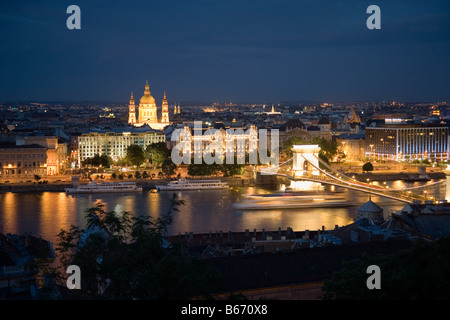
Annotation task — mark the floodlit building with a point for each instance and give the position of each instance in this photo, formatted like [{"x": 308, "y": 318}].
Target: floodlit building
[
  {"x": 147, "y": 113},
  {"x": 32, "y": 155},
  {"x": 352, "y": 145},
  {"x": 56, "y": 151},
  {"x": 114, "y": 142},
  {"x": 407, "y": 142},
  {"x": 22, "y": 161},
  {"x": 236, "y": 141}
]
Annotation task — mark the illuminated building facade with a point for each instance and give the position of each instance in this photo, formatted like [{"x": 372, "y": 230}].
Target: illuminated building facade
[
  {"x": 131, "y": 111},
  {"x": 165, "y": 110},
  {"x": 237, "y": 141},
  {"x": 407, "y": 142},
  {"x": 114, "y": 143},
  {"x": 22, "y": 161},
  {"x": 30, "y": 155},
  {"x": 147, "y": 111},
  {"x": 353, "y": 146},
  {"x": 56, "y": 151},
  {"x": 176, "y": 109}
]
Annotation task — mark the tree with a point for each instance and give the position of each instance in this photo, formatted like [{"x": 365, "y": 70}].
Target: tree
[
  {"x": 135, "y": 155},
  {"x": 157, "y": 153},
  {"x": 203, "y": 169},
  {"x": 230, "y": 170},
  {"x": 328, "y": 149},
  {"x": 416, "y": 274},
  {"x": 37, "y": 177},
  {"x": 113, "y": 175},
  {"x": 367, "y": 167},
  {"x": 124, "y": 257},
  {"x": 137, "y": 175},
  {"x": 98, "y": 161},
  {"x": 168, "y": 167}
]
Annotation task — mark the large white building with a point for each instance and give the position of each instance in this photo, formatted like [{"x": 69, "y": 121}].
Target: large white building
[
  {"x": 405, "y": 142},
  {"x": 236, "y": 141},
  {"x": 114, "y": 142}
]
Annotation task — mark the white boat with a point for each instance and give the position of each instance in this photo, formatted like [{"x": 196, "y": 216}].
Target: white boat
[
  {"x": 105, "y": 187},
  {"x": 184, "y": 185},
  {"x": 291, "y": 200}
]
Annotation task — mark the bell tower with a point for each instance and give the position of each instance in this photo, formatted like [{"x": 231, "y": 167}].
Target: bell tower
[
  {"x": 165, "y": 110},
  {"x": 131, "y": 111}
]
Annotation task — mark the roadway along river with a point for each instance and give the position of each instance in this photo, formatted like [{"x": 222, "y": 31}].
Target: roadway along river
[{"x": 46, "y": 213}]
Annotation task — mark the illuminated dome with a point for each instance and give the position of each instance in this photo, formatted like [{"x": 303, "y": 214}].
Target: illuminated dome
[{"x": 147, "y": 97}]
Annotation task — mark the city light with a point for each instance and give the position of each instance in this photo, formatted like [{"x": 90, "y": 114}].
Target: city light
[{"x": 226, "y": 142}]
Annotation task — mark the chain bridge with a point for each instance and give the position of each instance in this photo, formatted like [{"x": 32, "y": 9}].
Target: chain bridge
[{"x": 308, "y": 166}]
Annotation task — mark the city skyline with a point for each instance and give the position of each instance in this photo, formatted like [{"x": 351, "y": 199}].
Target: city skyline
[
  {"x": 224, "y": 150},
  {"x": 255, "y": 51}
]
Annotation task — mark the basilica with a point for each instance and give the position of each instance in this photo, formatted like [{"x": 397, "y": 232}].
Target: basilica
[{"x": 147, "y": 111}]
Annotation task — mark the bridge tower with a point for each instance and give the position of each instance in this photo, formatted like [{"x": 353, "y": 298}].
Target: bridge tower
[{"x": 305, "y": 157}]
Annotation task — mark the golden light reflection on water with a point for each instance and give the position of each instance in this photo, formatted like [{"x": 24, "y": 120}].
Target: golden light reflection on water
[
  {"x": 297, "y": 219},
  {"x": 49, "y": 212},
  {"x": 447, "y": 189},
  {"x": 56, "y": 213},
  {"x": 184, "y": 217},
  {"x": 9, "y": 212},
  {"x": 41, "y": 214},
  {"x": 129, "y": 205},
  {"x": 46, "y": 213},
  {"x": 153, "y": 205}
]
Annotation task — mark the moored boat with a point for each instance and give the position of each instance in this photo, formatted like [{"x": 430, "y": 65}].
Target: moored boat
[
  {"x": 105, "y": 187},
  {"x": 184, "y": 185}
]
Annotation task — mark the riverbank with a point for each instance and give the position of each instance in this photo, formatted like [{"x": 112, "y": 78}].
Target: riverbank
[
  {"x": 20, "y": 187},
  {"x": 396, "y": 176},
  {"x": 145, "y": 184},
  {"x": 232, "y": 181}
]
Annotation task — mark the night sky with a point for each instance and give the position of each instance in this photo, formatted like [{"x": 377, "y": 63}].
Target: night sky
[{"x": 225, "y": 50}]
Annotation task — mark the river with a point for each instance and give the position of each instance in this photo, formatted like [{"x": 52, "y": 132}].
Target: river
[{"x": 46, "y": 213}]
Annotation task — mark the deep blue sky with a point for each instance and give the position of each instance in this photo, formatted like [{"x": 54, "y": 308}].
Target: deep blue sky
[{"x": 225, "y": 50}]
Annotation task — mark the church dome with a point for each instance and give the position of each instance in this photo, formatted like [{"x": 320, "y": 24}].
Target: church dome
[{"x": 147, "y": 98}]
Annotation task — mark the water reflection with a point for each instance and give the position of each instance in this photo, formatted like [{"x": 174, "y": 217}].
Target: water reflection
[
  {"x": 8, "y": 205},
  {"x": 45, "y": 214}
]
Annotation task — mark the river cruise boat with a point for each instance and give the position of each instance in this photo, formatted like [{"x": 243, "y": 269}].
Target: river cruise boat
[
  {"x": 105, "y": 187},
  {"x": 184, "y": 185},
  {"x": 292, "y": 200}
]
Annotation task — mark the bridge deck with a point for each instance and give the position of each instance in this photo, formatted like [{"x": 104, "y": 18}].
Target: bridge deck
[{"x": 336, "y": 178}]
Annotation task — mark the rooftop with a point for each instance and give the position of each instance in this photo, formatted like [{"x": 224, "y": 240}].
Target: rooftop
[
  {"x": 13, "y": 145},
  {"x": 130, "y": 129}
]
